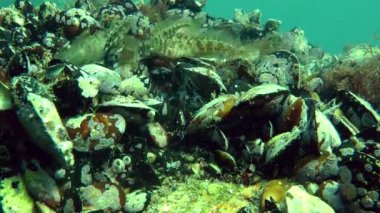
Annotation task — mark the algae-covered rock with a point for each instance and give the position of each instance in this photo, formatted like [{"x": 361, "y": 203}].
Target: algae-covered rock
[
  {"x": 298, "y": 201},
  {"x": 14, "y": 196},
  {"x": 203, "y": 196}
]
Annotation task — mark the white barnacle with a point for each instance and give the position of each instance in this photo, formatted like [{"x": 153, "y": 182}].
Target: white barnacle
[
  {"x": 89, "y": 85},
  {"x": 120, "y": 123},
  {"x": 118, "y": 166}
]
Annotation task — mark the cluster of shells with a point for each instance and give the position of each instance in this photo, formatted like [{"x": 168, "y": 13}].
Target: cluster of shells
[{"x": 99, "y": 134}]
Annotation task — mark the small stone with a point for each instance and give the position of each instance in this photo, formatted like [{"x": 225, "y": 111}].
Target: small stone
[
  {"x": 312, "y": 188},
  {"x": 86, "y": 178},
  {"x": 368, "y": 167},
  {"x": 347, "y": 151},
  {"x": 367, "y": 202},
  {"x": 349, "y": 191},
  {"x": 298, "y": 200},
  {"x": 109, "y": 198},
  {"x": 60, "y": 174},
  {"x": 151, "y": 157},
  {"x": 89, "y": 86},
  {"x": 362, "y": 191},
  {"x": 69, "y": 206},
  {"x": 374, "y": 195},
  {"x": 136, "y": 202},
  {"x": 377, "y": 153},
  {"x": 345, "y": 174},
  {"x": 157, "y": 134},
  {"x": 330, "y": 194}
]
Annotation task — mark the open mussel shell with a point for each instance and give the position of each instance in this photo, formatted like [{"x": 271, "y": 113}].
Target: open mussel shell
[
  {"x": 358, "y": 111},
  {"x": 134, "y": 111},
  {"x": 344, "y": 126},
  {"x": 39, "y": 116},
  {"x": 273, "y": 195},
  {"x": 294, "y": 115},
  {"x": 281, "y": 145},
  {"x": 211, "y": 113},
  {"x": 200, "y": 76},
  {"x": 326, "y": 136},
  {"x": 219, "y": 139},
  {"x": 29, "y": 60},
  {"x": 72, "y": 98},
  {"x": 255, "y": 107},
  {"x": 225, "y": 160},
  {"x": 263, "y": 101}
]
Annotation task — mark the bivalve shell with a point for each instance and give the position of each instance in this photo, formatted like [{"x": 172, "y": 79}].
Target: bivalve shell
[
  {"x": 40, "y": 118},
  {"x": 211, "y": 113},
  {"x": 295, "y": 115},
  {"x": 359, "y": 111},
  {"x": 274, "y": 195},
  {"x": 261, "y": 102},
  {"x": 41, "y": 186},
  {"x": 326, "y": 135},
  {"x": 133, "y": 111},
  {"x": 95, "y": 132},
  {"x": 280, "y": 144}
]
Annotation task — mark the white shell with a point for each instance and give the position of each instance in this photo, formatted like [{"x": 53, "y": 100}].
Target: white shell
[
  {"x": 280, "y": 143},
  {"x": 52, "y": 137},
  {"x": 211, "y": 113},
  {"x": 327, "y": 136},
  {"x": 262, "y": 90}
]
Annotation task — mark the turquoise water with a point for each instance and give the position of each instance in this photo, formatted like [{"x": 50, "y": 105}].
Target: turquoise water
[{"x": 331, "y": 25}]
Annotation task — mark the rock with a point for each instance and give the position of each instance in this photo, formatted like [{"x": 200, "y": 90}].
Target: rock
[
  {"x": 14, "y": 196},
  {"x": 136, "y": 201},
  {"x": 298, "y": 200}
]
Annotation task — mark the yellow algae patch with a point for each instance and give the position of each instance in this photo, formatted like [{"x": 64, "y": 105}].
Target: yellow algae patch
[
  {"x": 14, "y": 197},
  {"x": 203, "y": 196}
]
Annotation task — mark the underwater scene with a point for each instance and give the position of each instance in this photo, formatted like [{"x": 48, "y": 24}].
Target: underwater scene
[{"x": 185, "y": 106}]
